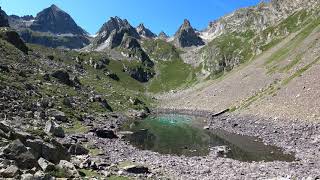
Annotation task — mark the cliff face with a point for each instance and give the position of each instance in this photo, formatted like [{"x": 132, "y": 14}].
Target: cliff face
[
  {"x": 238, "y": 37},
  {"x": 256, "y": 18}
]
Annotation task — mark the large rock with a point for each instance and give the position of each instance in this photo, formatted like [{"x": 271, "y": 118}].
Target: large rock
[
  {"x": 105, "y": 133},
  {"x": 57, "y": 115},
  {"x": 136, "y": 169},
  {"x": 77, "y": 149},
  {"x": 68, "y": 167},
  {"x": 53, "y": 151},
  {"x": 63, "y": 76},
  {"x": 186, "y": 36},
  {"x": 45, "y": 165},
  {"x": 18, "y": 152},
  {"x": 27, "y": 177},
  {"x": 54, "y": 129},
  {"x": 13, "y": 38},
  {"x": 10, "y": 172}
]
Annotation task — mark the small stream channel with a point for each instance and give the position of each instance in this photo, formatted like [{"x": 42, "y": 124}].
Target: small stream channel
[{"x": 184, "y": 135}]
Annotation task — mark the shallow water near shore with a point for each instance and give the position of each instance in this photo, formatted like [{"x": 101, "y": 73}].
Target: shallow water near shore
[{"x": 184, "y": 135}]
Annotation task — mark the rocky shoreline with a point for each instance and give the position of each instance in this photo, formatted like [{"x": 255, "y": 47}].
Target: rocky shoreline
[
  {"x": 293, "y": 136},
  {"x": 116, "y": 157}
]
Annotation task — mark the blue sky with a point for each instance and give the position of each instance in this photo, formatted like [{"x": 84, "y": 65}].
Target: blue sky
[{"x": 166, "y": 15}]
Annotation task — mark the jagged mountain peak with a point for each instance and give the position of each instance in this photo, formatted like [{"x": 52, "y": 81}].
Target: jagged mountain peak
[
  {"x": 145, "y": 32},
  {"x": 186, "y": 36},
  {"x": 163, "y": 35},
  {"x": 55, "y": 7},
  {"x": 115, "y": 23},
  {"x": 57, "y": 21},
  {"x": 186, "y": 23},
  {"x": 112, "y": 32}
]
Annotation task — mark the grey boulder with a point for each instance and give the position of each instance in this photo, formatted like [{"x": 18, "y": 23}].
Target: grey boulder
[{"x": 54, "y": 129}]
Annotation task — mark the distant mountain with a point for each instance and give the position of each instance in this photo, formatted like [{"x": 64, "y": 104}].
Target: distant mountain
[
  {"x": 112, "y": 32},
  {"x": 163, "y": 35},
  {"x": 145, "y": 32},
  {"x": 56, "y": 21},
  {"x": 52, "y": 27},
  {"x": 3, "y": 19},
  {"x": 240, "y": 36},
  {"x": 256, "y": 18},
  {"x": 186, "y": 36}
]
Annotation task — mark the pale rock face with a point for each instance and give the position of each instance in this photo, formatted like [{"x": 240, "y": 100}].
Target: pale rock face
[
  {"x": 256, "y": 18},
  {"x": 162, "y": 35},
  {"x": 145, "y": 32}
]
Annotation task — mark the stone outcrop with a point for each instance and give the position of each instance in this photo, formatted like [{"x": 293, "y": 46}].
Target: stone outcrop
[
  {"x": 145, "y": 32},
  {"x": 186, "y": 36}
]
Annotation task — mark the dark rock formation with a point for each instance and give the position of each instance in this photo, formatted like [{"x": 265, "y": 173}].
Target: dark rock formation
[
  {"x": 134, "y": 50},
  {"x": 3, "y": 19},
  {"x": 56, "y": 21},
  {"x": 18, "y": 152},
  {"x": 62, "y": 76},
  {"x": 77, "y": 149},
  {"x": 105, "y": 133},
  {"x": 140, "y": 73},
  {"x": 186, "y": 36},
  {"x": 13, "y": 38}
]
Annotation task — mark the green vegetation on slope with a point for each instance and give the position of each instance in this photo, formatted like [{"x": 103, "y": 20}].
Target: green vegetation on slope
[
  {"x": 284, "y": 52},
  {"x": 300, "y": 72},
  {"x": 171, "y": 71},
  {"x": 227, "y": 51},
  {"x": 274, "y": 34},
  {"x": 171, "y": 75}
]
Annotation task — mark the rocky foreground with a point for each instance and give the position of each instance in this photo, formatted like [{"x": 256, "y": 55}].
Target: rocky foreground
[{"x": 102, "y": 151}]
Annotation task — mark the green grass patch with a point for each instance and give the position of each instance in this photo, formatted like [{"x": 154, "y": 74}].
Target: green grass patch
[
  {"x": 90, "y": 173},
  {"x": 294, "y": 62},
  {"x": 77, "y": 127},
  {"x": 94, "y": 151},
  {"x": 299, "y": 72},
  {"x": 171, "y": 75},
  {"x": 284, "y": 52},
  {"x": 119, "y": 178}
]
